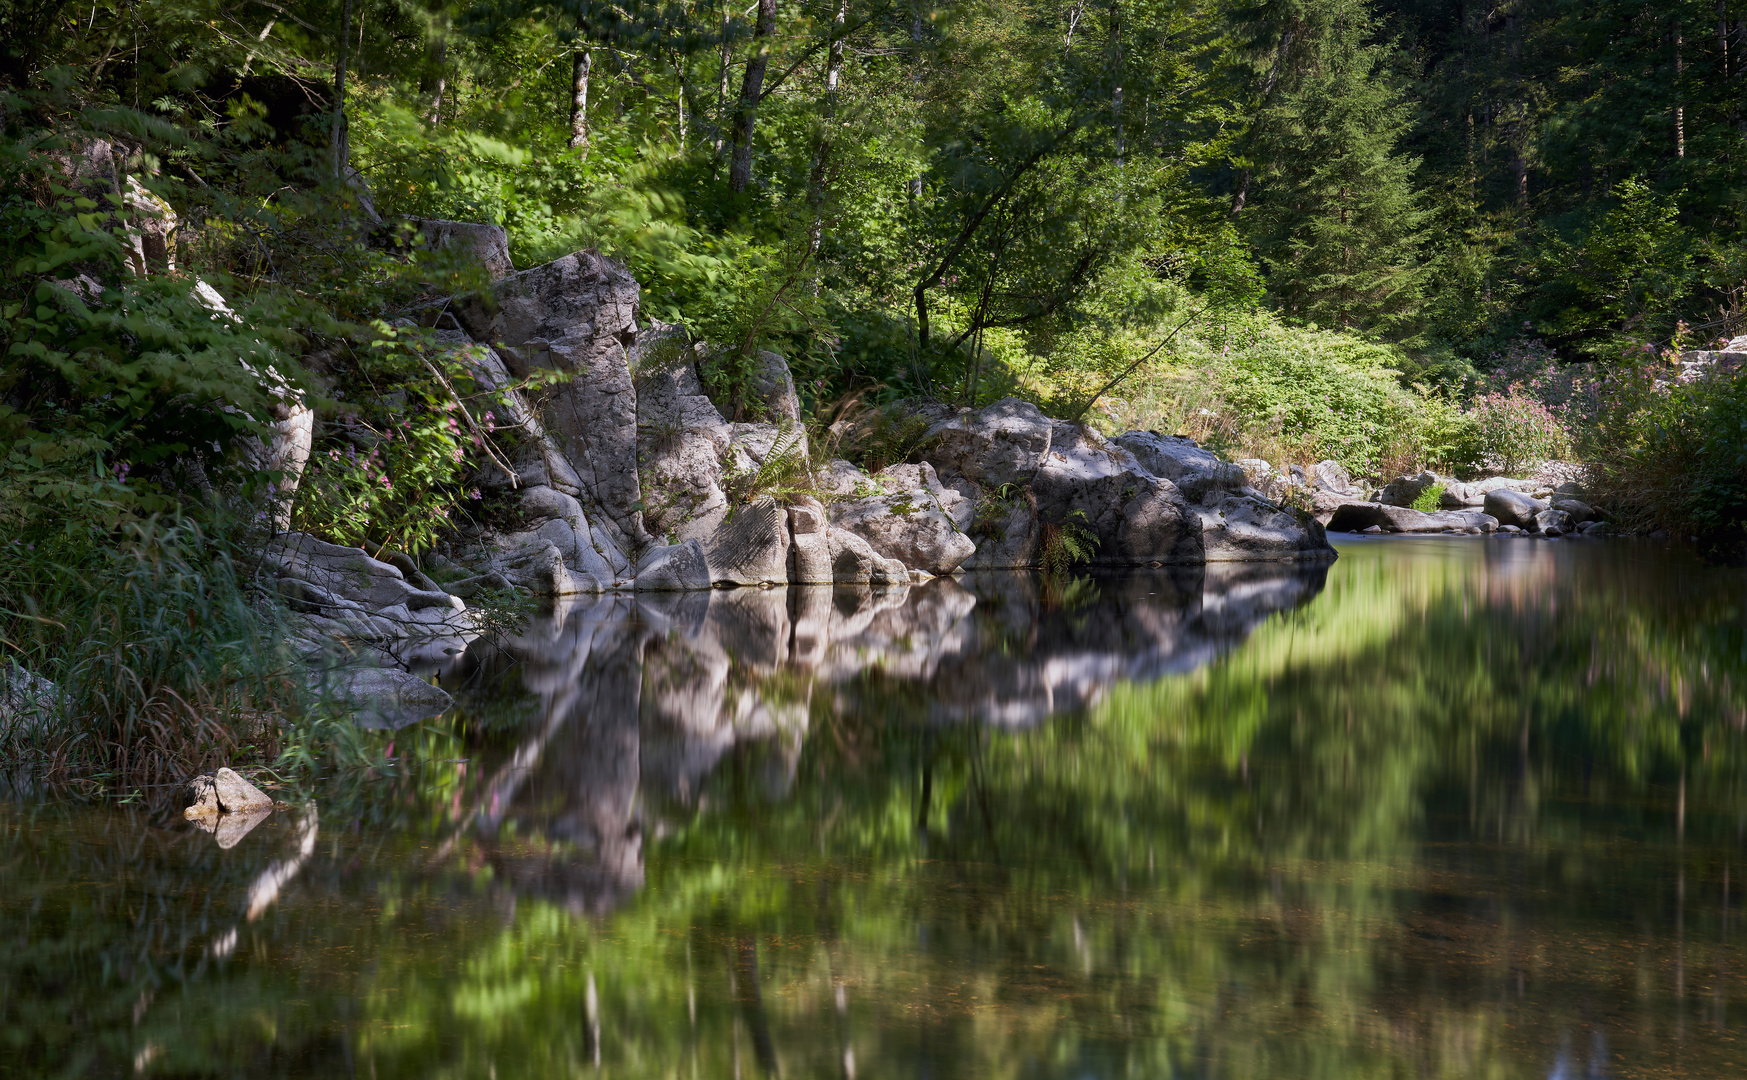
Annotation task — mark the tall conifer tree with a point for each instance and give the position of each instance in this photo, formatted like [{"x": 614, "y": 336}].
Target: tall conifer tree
[{"x": 1332, "y": 208}]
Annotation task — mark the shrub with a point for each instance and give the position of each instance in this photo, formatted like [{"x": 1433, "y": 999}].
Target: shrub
[
  {"x": 1430, "y": 501},
  {"x": 1673, "y": 456},
  {"x": 1513, "y": 430}
]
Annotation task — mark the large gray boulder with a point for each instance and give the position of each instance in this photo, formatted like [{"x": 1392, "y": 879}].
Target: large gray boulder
[
  {"x": 1458, "y": 494},
  {"x": 1138, "y": 518},
  {"x": 906, "y": 514},
  {"x": 1242, "y": 528},
  {"x": 1553, "y": 523},
  {"x": 1403, "y": 490},
  {"x": 1003, "y": 443},
  {"x": 533, "y": 459},
  {"x": 1197, "y": 472},
  {"x": 544, "y": 544},
  {"x": 674, "y": 568},
  {"x": 682, "y": 439},
  {"x": 487, "y": 245},
  {"x": 809, "y": 544},
  {"x": 855, "y": 562},
  {"x": 751, "y": 548},
  {"x": 766, "y": 395},
  {"x": 222, "y": 792},
  {"x": 1360, "y": 516},
  {"x": 576, "y": 315},
  {"x": 1513, "y": 507},
  {"x": 771, "y": 390},
  {"x": 1332, "y": 476},
  {"x": 350, "y": 575},
  {"x": 1007, "y": 531},
  {"x": 1580, "y": 511}
]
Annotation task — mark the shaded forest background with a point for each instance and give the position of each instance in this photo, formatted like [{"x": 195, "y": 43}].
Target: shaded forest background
[{"x": 965, "y": 200}]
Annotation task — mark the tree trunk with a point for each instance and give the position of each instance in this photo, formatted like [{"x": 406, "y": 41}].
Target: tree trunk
[
  {"x": 751, "y": 89},
  {"x": 1723, "y": 36},
  {"x": 1116, "y": 74},
  {"x": 436, "y": 77},
  {"x": 722, "y": 83},
  {"x": 828, "y": 115},
  {"x": 580, "y": 66},
  {"x": 1679, "y": 94},
  {"x": 337, "y": 144},
  {"x": 1268, "y": 86}
]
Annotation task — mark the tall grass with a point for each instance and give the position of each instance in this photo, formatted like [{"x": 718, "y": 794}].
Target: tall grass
[
  {"x": 164, "y": 661},
  {"x": 1673, "y": 457}
]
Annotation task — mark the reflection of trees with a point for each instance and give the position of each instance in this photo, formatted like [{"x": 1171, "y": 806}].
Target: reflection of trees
[
  {"x": 1429, "y": 825},
  {"x": 642, "y": 699}
]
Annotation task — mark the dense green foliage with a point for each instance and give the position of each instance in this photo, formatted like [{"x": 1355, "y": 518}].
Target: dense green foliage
[{"x": 965, "y": 201}]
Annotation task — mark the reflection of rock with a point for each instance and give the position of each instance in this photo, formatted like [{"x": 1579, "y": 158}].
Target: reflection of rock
[
  {"x": 228, "y": 829},
  {"x": 652, "y": 704},
  {"x": 1034, "y": 654},
  {"x": 388, "y": 698}
]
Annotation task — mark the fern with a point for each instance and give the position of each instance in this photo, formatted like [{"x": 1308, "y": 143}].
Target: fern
[
  {"x": 785, "y": 476},
  {"x": 1067, "y": 544}
]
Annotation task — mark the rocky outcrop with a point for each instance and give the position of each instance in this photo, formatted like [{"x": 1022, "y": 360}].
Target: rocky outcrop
[
  {"x": 1244, "y": 528},
  {"x": 361, "y": 622},
  {"x": 1136, "y": 518},
  {"x": 1697, "y": 364},
  {"x": 674, "y": 568},
  {"x": 1506, "y": 505},
  {"x": 1238, "y": 523},
  {"x": 905, "y": 513},
  {"x": 629, "y": 475},
  {"x": 486, "y": 245},
  {"x": 1406, "y": 490},
  {"x": 1002, "y": 444},
  {"x": 682, "y": 440},
  {"x": 576, "y": 315}
]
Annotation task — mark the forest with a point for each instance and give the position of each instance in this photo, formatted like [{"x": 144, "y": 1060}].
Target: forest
[{"x": 1396, "y": 235}]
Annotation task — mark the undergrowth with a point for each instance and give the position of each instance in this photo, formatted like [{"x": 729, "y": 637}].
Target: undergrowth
[{"x": 160, "y": 661}]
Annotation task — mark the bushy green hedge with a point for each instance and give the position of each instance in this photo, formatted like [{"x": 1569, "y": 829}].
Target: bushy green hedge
[
  {"x": 1673, "y": 456},
  {"x": 1289, "y": 394}
]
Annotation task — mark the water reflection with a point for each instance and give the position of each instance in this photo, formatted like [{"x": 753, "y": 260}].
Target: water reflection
[
  {"x": 640, "y": 698},
  {"x": 1459, "y": 808}
]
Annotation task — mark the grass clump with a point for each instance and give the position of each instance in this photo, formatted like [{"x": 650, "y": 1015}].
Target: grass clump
[
  {"x": 1429, "y": 501},
  {"x": 157, "y": 659}
]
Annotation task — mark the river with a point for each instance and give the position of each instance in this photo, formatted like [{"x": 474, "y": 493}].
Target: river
[{"x": 1446, "y": 808}]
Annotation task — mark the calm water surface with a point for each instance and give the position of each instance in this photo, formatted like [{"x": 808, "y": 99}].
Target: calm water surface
[{"x": 1449, "y": 808}]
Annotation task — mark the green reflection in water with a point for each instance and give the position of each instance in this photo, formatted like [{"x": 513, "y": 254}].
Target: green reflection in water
[{"x": 1471, "y": 809}]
